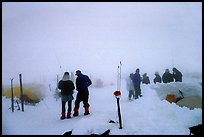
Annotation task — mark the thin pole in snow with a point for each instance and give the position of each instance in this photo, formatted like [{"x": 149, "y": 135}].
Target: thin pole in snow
[
  {"x": 117, "y": 94},
  {"x": 119, "y": 114},
  {"x": 12, "y": 103},
  {"x": 57, "y": 82},
  {"x": 119, "y": 76},
  {"x": 59, "y": 63},
  {"x": 21, "y": 93},
  {"x": 56, "y": 90},
  {"x": 118, "y": 88}
]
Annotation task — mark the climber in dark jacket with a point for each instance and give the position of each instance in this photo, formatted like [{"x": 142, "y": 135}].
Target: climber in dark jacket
[
  {"x": 157, "y": 78},
  {"x": 82, "y": 84},
  {"x": 145, "y": 79},
  {"x": 136, "y": 79},
  {"x": 67, "y": 87},
  {"x": 177, "y": 75},
  {"x": 167, "y": 77}
]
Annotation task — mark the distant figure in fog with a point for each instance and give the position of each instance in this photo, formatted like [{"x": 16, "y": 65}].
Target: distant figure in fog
[
  {"x": 137, "y": 81},
  {"x": 157, "y": 78},
  {"x": 167, "y": 77},
  {"x": 177, "y": 75},
  {"x": 130, "y": 87},
  {"x": 145, "y": 79}
]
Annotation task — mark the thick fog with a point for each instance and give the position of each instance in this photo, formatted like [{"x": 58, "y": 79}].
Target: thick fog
[{"x": 41, "y": 40}]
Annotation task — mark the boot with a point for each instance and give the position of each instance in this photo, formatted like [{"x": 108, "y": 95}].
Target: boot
[
  {"x": 76, "y": 113},
  {"x": 136, "y": 96},
  {"x": 86, "y": 111},
  {"x": 68, "y": 115},
  {"x": 63, "y": 116}
]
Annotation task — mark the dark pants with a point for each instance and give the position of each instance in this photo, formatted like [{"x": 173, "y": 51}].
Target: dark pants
[
  {"x": 69, "y": 106},
  {"x": 82, "y": 96},
  {"x": 137, "y": 91},
  {"x": 131, "y": 93}
]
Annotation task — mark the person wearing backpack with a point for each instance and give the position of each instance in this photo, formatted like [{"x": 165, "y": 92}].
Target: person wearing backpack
[
  {"x": 82, "y": 84},
  {"x": 67, "y": 87}
]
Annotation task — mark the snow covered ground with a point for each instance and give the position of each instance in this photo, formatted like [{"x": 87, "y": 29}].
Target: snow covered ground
[{"x": 149, "y": 115}]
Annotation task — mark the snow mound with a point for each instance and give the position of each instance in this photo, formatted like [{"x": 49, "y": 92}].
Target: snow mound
[{"x": 188, "y": 89}]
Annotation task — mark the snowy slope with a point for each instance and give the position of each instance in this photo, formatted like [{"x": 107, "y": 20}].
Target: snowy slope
[{"x": 149, "y": 115}]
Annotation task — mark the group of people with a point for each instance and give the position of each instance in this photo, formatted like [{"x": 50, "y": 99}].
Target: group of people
[
  {"x": 83, "y": 82},
  {"x": 134, "y": 81},
  {"x": 67, "y": 87},
  {"x": 168, "y": 77}
]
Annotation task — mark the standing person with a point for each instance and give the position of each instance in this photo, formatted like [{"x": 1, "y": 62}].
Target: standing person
[
  {"x": 157, "y": 78},
  {"x": 167, "y": 77},
  {"x": 67, "y": 87},
  {"x": 130, "y": 87},
  {"x": 82, "y": 84},
  {"x": 177, "y": 75},
  {"x": 137, "y": 81},
  {"x": 145, "y": 79}
]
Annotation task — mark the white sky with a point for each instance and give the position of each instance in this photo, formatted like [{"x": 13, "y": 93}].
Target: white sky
[{"x": 94, "y": 37}]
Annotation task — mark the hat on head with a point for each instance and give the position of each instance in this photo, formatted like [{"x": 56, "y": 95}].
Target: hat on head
[
  {"x": 65, "y": 76},
  {"x": 137, "y": 70},
  {"x": 66, "y": 73},
  {"x": 156, "y": 73},
  {"x": 166, "y": 70},
  {"x": 174, "y": 69},
  {"x": 78, "y": 72}
]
